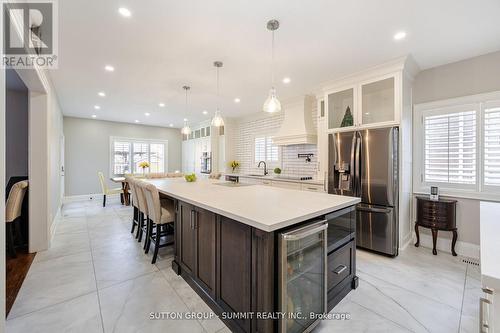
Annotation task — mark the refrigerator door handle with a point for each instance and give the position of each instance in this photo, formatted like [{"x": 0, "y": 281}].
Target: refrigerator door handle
[
  {"x": 357, "y": 172},
  {"x": 352, "y": 169},
  {"x": 307, "y": 231}
]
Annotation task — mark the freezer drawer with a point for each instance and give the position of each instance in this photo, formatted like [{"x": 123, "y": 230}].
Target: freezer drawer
[{"x": 376, "y": 229}]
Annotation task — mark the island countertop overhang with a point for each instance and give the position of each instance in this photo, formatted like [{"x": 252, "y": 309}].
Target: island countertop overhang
[{"x": 263, "y": 207}]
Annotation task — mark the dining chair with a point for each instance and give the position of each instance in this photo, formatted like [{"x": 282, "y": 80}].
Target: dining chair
[
  {"x": 13, "y": 213},
  {"x": 107, "y": 191},
  {"x": 134, "y": 202},
  {"x": 161, "y": 219},
  {"x": 143, "y": 209}
]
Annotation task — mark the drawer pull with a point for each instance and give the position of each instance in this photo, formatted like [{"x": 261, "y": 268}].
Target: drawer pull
[{"x": 340, "y": 269}]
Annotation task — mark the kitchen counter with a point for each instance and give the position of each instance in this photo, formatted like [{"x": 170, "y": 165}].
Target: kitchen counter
[
  {"x": 278, "y": 178},
  {"x": 230, "y": 247},
  {"x": 263, "y": 207}
]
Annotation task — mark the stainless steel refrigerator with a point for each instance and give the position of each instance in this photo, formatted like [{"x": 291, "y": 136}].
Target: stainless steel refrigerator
[{"x": 365, "y": 164}]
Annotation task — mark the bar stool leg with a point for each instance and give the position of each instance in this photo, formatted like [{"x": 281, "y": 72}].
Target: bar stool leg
[
  {"x": 134, "y": 220},
  {"x": 157, "y": 242}
]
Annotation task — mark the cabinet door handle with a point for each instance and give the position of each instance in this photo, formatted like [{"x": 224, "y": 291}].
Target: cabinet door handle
[
  {"x": 483, "y": 325},
  {"x": 192, "y": 221},
  {"x": 340, "y": 269}
]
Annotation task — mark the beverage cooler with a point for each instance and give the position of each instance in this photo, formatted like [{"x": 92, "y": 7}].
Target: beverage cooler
[{"x": 303, "y": 276}]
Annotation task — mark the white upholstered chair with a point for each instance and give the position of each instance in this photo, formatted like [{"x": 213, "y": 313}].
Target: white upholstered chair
[
  {"x": 107, "y": 191},
  {"x": 161, "y": 217},
  {"x": 13, "y": 213}
]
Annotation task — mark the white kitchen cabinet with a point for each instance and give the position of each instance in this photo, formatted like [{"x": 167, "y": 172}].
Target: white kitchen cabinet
[
  {"x": 290, "y": 185},
  {"x": 372, "y": 102},
  {"x": 312, "y": 187},
  {"x": 322, "y": 172},
  {"x": 341, "y": 108}
]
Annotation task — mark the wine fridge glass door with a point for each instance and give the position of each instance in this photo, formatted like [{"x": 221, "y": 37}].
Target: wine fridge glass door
[{"x": 303, "y": 277}]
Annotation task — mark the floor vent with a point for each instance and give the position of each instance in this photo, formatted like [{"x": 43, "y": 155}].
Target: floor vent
[{"x": 471, "y": 261}]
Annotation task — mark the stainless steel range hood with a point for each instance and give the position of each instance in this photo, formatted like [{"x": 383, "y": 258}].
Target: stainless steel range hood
[{"x": 297, "y": 127}]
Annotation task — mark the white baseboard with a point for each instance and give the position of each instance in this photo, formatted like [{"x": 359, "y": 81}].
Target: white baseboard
[
  {"x": 54, "y": 224},
  {"x": 444, "y": 244},
  {"x": 405, "y": 242},
  {"x": 86, "y": 197}
]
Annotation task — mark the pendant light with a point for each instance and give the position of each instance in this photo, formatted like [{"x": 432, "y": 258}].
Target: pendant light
[
  {"x": 186, "y": 130},
  {"x": 272, "y": 104},
  {"x": 217, "y": 120}
]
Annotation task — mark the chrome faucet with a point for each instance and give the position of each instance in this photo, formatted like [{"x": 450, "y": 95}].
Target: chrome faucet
[{"x": 265, "y": 167}]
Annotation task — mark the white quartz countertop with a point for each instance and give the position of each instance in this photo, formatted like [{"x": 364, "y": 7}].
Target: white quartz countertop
[
  {"x": 278, "y": 178},
  {"x": 490, "y": 244},
  {"x": 264, "y": 207}
]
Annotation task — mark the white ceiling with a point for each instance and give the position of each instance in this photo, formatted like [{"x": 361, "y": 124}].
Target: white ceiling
[{"x": 167, "y": 44}]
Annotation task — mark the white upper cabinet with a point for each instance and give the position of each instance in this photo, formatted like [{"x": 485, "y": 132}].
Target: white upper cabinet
[
  {"x": 341, "y": 108},
  {"x": 378, "y": 101},
  {"x": 364, "y": 101}
]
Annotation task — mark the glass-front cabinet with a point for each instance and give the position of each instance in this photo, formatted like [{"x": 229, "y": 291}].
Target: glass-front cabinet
[
  {"x": 341, "y": 109},
  {"x": 378, "y": 101},
  {"x": 367, "y": 103}
]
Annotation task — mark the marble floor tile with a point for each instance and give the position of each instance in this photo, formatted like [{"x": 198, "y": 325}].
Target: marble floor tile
[
  {"x": 126, "y": 307},
  {"x": 415, "y": 312},
  {"x": 114, "y": 264},
  {"x": 71, "y": 225},
  {"x": 65, "y": 244},
  {"x": 361, "y": 320},
  {"x": 416, "y": 269},
  {"x": 81, "y": 314},
  {"x": 469, "y": 321},
  {"x": 54, "y": 281}
]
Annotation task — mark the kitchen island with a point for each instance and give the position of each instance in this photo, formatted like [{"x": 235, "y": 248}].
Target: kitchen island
[{"x": 240, "y": 247}]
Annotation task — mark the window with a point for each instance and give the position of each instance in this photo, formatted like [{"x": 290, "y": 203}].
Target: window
[
  {"x": 492, "y": 146},
  {"x": 457, "y": 146},
  {"x": 450, "y": 147},
  {"x": 127, "y": 154},
  {"x": 265, "y": 150}
]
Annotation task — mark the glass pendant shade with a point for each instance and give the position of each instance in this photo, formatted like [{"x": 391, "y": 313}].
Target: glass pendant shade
[
  {"x": 217, "y": 120},
  {"x": 272, "y": 103},
  {"x": 186, "y": 130}
]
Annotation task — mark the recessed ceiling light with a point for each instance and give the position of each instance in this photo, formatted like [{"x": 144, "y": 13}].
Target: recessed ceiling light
[
  {"x": 136, "y": 121},
  {"x": 286, "y": 80},
  {"x": 97, "y": 107},
  {"x": 237, "y": 100},
  {"x": 162, "y": 105},
  {"x": 147, "y": 114},
  {"x": 102, "y": 94},
  {"x": 205, "y": 112},
  {"x": 185, "y": 119},
  {"x": 109, "y": 68},
  {"x": 171, "y": 125},
  {"x": 125, "y": 12},
  {"x": 400, "y": 35},
  {"x": 94, "y": 116}
]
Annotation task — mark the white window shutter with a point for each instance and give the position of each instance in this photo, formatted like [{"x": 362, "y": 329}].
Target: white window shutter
[
  {"x": 492, "y": 146},
  {"x": 450, "y": 147}
]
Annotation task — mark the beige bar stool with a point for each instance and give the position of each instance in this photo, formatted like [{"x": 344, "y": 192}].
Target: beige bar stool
[
  {"x": 143, "y": 208},
  {"x": 161, "y": 218},
  {"x": 13, "y": 213},
  {"x": 135, "y": 218}
]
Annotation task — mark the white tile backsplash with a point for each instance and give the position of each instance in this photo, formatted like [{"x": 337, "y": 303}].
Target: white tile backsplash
[{"x": 244, "y": 134}]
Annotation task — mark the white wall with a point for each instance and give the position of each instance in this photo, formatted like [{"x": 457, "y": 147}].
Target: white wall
[
  {"x": 246, "y": 128},
  {"x": 467, "y": 77},
  {"x": 87, "y": 150}
]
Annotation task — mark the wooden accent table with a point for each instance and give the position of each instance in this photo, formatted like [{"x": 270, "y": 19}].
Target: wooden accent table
[
  {"x": 436, "y": 215},
  {"x": 125, "y": 189}
]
